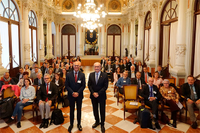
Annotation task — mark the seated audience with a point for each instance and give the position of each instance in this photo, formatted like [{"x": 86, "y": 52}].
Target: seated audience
[
  {"x": 46, "y": 97},
  {"x": 124, "y": 66},
  {"x": 46, "y": 69},
  {"x": 26, "y": 69},
  {"x": 145, "y": 74},
  {"x": 128, "y": 64},
  {"x": 172, "y": 99},
  {"x": 71, "y": 67},
  {"x": 54, "y": 63},
  {"x": 138, "y": 81},
  {"x": 133, "y": 64},
  {"x": 57, "y": 69},
  {"x": 157, "y": 80},
  {"x": 20, "y": 74},
  {"x": 160, "y": 71},
  {"x": 63, "y": 74},
  {"x": 191, "y": 92},
  {"x": 51, "y": 74},
  {"x": 139, "y": 66},
  {"x": 152, "y": 96},
  {"x": 21, "y": 81},
  {"x": 117, "y": 75},
  {"x": 34, "y": 66},
  {"x": 6, "y": 79},
  {"x": 109, "y": 70},
  {"x": 116, "y": 65},
  {"x": 66, "y": 61},
  {"x": 34, "y": 73},
  {"x": 39, "y": 80},
  {"x": 27, "y": 95},
  {"x": 125, "y": 80},
  {"x": 78, "y": 58},
  {"x": 131, "y": 73},
  {"x": 67, "y": 68},
  {"x": 61, "y": 65},
  {"x": 59, "y": 84},
  {"x": 43, "y": 68},
  {"x": 103, "y": 62}
]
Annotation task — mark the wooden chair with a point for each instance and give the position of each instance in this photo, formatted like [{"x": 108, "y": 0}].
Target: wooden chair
[
  {"x": 130, "y": 96},
  {"x": 119, "y": 95},
  {"x": 171, "y": 80},
  {"x": 8, "y": 93},
  {"x": 32, "y": 107}
]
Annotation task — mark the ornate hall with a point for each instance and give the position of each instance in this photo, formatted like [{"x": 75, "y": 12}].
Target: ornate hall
[{"x": 151, "y": 34}]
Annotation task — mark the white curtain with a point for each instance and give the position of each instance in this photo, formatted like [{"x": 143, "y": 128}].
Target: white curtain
[
  {"x": 34, "y": 46},
  {"x": 72, "y": 45},
  {"x": 117, "y": 45},
  {"x": 173, "y": 36},
  {"x": 165, "y": 45},
  {"x": 146, "y": 44},
  {"x": 197, "y": 48},
  {"x": 65, "y": 45},
  {"x": 15, "y": 45},
  {"x": 110, "y": 45}
]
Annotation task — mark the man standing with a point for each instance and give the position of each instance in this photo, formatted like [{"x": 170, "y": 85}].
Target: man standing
[
  {"x": 98, "y": 84},
  {"x": 145, "y": 74},
  {"x": 75, "y": 84},
  {"x": 151, "y": 96},
  {"x": 191, "y": 92},
  {"x": 46, "y": 97}
]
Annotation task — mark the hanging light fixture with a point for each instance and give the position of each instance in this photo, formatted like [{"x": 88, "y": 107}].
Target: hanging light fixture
[{"x": 90, "y": 15}]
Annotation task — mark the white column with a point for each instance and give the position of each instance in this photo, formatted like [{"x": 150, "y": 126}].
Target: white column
[
  {"x": 58, "y": 45},
  {"x": 80, "y": 50},
  {"x": 179, "y": 69},
  {"x": 41, "y": 38},
  {"x": 2, "y": 69},
  {"x": 49, "y": 40},
  {"x": 26, "y": 35},
  {"x": 132, "y": 39},
  {"x": 102, "y": 47},
  {"x": 152, "y": 46},
  {"x": 140, "y": 39},
  {"x": 126, "y": 39}
]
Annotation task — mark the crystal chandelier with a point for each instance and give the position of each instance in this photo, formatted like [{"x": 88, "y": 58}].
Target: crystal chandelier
[{"x": 90, "y": 15}]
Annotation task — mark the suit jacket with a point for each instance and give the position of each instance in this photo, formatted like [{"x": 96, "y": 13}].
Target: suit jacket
[
  {"x": 143, "y": 75},
  {"x": 106, "y": 68},
  {"x": 35, "y": 82},
  {"x": 73, "y": 86},
  {"x": 42, "y": 93},
  {"x": 124, "y": 67},
  {"x": 185, "y": 90},
  {"x": 103, "y": 62},
  {"x": 161, "y": 73},
  {"x": 145, "y": 92},
  {"x": 100, "y": 87},
  {"x": 60, "y": 84},
  {"x": 43, "y": 69},
  {"x": 17, "y": 76},
  {"x": 129, "y": 74},
  {"x": 59, "y": 70},
  {"x": 128, "y": 66},
  {"x": 135, "y": 82},
  {"x": 114, "y": 67}
]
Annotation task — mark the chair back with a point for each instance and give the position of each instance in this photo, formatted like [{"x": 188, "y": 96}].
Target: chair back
[
  {"x": 130, "y": 92},
  {"x": 8, "y": 92},
  {"x": 171, "y": 80}
]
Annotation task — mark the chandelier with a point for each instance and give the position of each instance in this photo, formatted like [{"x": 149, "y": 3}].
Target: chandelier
[{"x": 90, "y": 15}]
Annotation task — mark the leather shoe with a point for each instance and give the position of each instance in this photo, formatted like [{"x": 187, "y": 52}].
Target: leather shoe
[
  {"x": 70, "y": 128},
  {"x": 194, "y": 125},
  {"x": 46, "y": 124},
  {"x": 79, "y": 127},
  {"x": 42, "y": 124},
  {"x": 102, "y": 129},
  {"x": 95, "y": 125},
  {"x": 18, "y": 124},
  {"x": 157, "y": 125}
]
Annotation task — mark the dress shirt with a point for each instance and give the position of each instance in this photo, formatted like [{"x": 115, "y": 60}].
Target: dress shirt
[
  {"x": 132, "y": 74},
  {"x": 195, "y": 94},
  {"x": 76, "y": 74},
  {"x": 98, "y": 74},
  {"x": 27, "y": 93},
  {"x": 121, "y": 82}
]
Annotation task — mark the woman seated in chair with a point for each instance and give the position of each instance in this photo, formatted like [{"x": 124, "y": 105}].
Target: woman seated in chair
[
  {"x": 157, "y": 80},
  {"x": 27, "y": 96},
  {"x": 59, "y": 84},
  {"x": 172, "y": 99},
  {"x": 117, "y": 75}
]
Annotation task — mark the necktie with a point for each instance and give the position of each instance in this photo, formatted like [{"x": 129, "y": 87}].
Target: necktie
[
  {"x": 192, "y": 93},
  {"x": 47, "y": 92},
  {"x": 151, "y": 93},
  {"x": 75, "y": 76},
  {"x": 146, "y": 77},
  {"x": 96, "y": 78},
  {"x": 138, "y": 83},
  {"x": 39, "y": 83}
]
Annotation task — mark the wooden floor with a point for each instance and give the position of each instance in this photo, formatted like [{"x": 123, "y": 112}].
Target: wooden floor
[{"x": 114, "y": 119}]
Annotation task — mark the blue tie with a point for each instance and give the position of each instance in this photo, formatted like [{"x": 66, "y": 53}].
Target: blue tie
[
  {"x": 96, "y": 78},
  {"x": 151, "y": 93}
]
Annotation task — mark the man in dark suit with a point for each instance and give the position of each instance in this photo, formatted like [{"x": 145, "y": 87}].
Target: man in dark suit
[
  {"x": 43, "y": 68},
  {"x": 116, "y": 65},
  {"x": 39, "y": 80},
  {"x": 46, "y": 97},
  {"x": 138, "y": 81},
  {"x": 132, "y": 73},
  {"x": 109, "y": 70},
  {"x": 191, "y": 92},
  {"x": 160, "y": 71},
  {"x": 75, "y": 84},
  {"x": 146, "y": 74},
  {"x": 57, "y": 69},
  {"x": 151, "y": 96},
  {"x": 103, "y": 62},
  {"x": 124, "y": 66},
  {"x": 98, "y": 84},
  {"x": 133, "y": 64},
  {"x": 20, "y": 74}
]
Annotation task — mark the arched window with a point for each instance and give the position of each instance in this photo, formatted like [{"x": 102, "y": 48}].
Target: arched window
[
  {"x": 68, "y": 41},
  {"x": 9, "y": 24},
  {"x": 114, "y": 41},
  {"x": 168, "y": 34},
  {"x": 147, "y": 31},
  {"x": 196, "y": 40},
  {"x": 33, "y": 35}
]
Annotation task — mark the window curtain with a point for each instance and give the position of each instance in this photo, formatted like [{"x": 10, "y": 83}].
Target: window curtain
[
  {"x": 110, "y": 45},
  {"x": 117, "y": 45},
  {"x": 72, "y": 45},
  {"x": 197, "y": 48},
  {"x": 165, "y": 45},
  {"x": 173, "y": 36},
  {"x": 65, "y": 45}
]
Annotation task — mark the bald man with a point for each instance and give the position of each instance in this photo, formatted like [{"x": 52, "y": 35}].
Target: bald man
[{"x": 151, "y": 96}]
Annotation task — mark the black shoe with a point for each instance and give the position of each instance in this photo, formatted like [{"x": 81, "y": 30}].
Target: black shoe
[
  {"x": 42, "y": 124},
  {"x": 79, "y": 127},
  {"x": 10, "y": 120},
  {"x": 194, "y": 125},
  {"x": 70, "y": 128},
  {"x": 46, "y": 124},
  {"x": 95, "y": 125},
  {"x": 157, "y": 126},
  {"x": 19, "y": 124},
  {"x": 174, "y": 124},
  {"x": 102, "y": 129}
]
